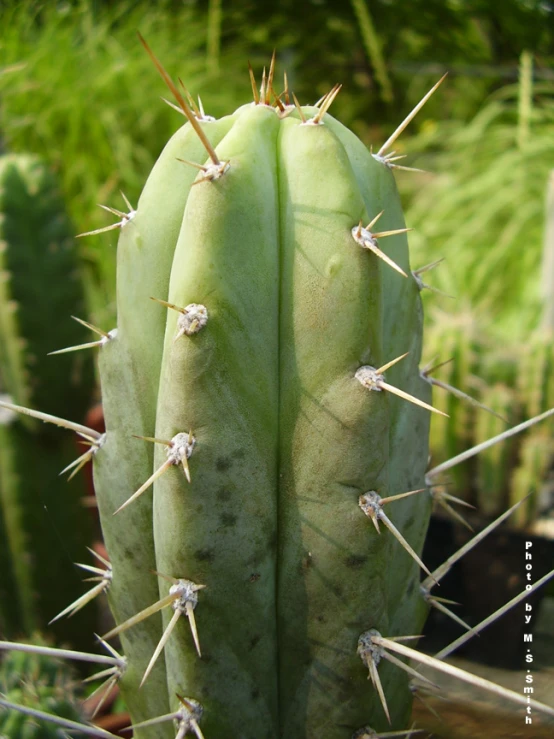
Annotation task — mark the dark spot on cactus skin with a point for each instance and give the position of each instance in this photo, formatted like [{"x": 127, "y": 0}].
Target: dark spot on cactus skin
[
  {"x": 356, "y": 560},
  {"x": 223, "y": 463},
  {"x": 255, "y": 694},
  {"x": 227, "y": 519},
  {"x": 254, "y": 577},
  {"x": 253, "y": 642},
  {"x": 321, "y": 619},
  {"x": 224, "y": 494},
  {"x": 204, "y": 555}
]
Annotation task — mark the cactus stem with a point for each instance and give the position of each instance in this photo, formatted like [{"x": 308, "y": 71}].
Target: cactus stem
[
  {"x": 325, "y": 105},
  {"x": 497, "y": 614},
  {"x": 371, "y": 504},
  {"x": 193, "y": 318},
  {"x": 63, "y": 722},
  {"x": 486, "y": 444},
  {"x": 84, "y": 431},
  {"x": 185, "y": 108},
  {"x": 443, "y": 569},
  {"x": 187, "y": 716},
  {"x": 180, "y": 448},
  {"x": 392, "y": 138},
  {"x": 460, "y": 674},
  {"x": 373, "y": 379},
  {"x": 367, "y": 240}
]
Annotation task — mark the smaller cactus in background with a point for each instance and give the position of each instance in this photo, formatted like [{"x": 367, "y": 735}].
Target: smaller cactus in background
[
  {"x": 514, "y": 382},
  {"x": 39, "y": 284},
  {"x": 38, "y": 682}
]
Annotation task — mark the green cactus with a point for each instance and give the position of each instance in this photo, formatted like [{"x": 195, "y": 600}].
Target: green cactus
[
  {"x": 37, "y": 682},
  {"x": 39, "y": 285},
  {"x": 267, "y": 358},
  {"x": 272, "y": 402}
]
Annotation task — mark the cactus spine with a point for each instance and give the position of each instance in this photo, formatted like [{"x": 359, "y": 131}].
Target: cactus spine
[{"x": 39, "y": 285}]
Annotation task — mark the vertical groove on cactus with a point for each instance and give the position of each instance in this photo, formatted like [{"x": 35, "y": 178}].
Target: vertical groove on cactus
[{"x": 44, "y": 527}]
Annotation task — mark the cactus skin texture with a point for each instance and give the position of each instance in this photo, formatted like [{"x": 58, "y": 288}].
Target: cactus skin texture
[
  {"x": 36, "y": 681},
  {"x": 284, "y": 437},
  {"x": 39, "y": 286}
]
